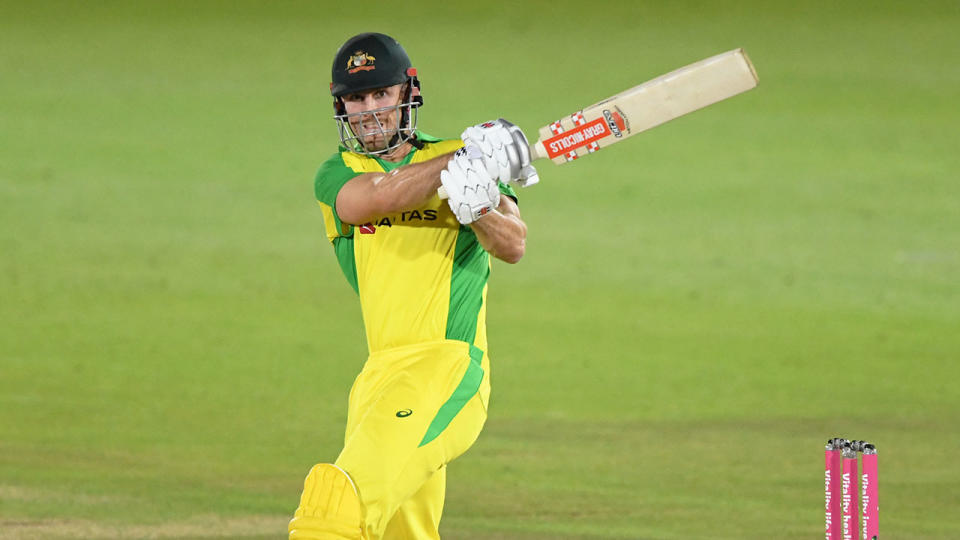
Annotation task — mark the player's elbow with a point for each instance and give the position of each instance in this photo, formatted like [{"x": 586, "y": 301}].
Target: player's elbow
[
  {"x": 513, "y": 258},
  {"x": 362, "y": 199},
  {"x": 513, "y": 252},
  {"x": 358, "y": 212},
  {"x": 517, "y": 244}
]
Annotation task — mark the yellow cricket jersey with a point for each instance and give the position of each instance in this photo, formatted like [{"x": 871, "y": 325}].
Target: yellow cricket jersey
[{"x": 420, "y": 275}]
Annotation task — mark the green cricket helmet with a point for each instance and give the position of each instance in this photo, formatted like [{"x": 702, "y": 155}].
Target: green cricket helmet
[{"x": 365, "y": 62}]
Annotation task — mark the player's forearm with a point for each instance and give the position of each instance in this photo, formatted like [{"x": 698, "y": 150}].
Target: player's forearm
[
  {"x": 378, "y": 194},
  {"x": 503, "y": 235},
  {"x": 408, "y": 187}
]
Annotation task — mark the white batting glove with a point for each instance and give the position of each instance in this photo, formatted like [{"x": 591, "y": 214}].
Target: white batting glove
[
  {"x": 506, "y": 153},
  {"x": 471, "y": 191}
]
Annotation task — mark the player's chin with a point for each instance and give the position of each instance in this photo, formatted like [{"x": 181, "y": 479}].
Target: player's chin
[
  {"x": 374, "y": 143},
  {"x": 377, "y": 141}
]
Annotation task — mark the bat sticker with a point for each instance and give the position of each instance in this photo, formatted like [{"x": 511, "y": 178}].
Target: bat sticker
[
  {"x": 615, "y": 121},
  {"x": 580, "y": 136}
]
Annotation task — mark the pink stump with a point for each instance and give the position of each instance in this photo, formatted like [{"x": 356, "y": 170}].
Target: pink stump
[
  {"x": 833, "y": 468},
  {"x": 851, "y": 510},
  {"x": 869, "y": 493}
]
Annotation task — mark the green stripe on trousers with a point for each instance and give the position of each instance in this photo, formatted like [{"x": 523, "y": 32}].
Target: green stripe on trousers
[{"x": 468, "y": 387}]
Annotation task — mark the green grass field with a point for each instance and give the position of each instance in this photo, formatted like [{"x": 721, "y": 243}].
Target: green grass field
[{"x": 699, "y": 308}]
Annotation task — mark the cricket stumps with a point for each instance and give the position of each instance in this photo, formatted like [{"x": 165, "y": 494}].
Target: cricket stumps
[{"x": 846, "y": 516}]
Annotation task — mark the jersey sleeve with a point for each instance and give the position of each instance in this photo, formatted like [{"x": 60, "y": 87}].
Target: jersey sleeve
[
  {"x": 507, "y": 189},
  {"x": 331, "y": 176}
]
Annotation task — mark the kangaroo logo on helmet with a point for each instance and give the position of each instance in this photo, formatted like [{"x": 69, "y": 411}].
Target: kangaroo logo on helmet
[{"x": 360, "y": 61}]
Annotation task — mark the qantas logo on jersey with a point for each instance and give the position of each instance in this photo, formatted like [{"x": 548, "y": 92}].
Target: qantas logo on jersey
[{"x": 412, "y": 217}]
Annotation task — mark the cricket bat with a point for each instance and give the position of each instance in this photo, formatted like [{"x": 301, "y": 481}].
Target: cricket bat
[{"x": 643, "y": 107}]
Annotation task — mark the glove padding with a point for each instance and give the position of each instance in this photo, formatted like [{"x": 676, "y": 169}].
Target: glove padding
[
  {"x": 505, "y": 151},
  {"x": 471, "y": 191}
]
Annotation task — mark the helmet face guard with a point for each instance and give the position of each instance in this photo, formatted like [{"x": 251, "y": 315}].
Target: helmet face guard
[
  {"x": 405, "y": 113},
  {"x": 367, "y": 62}
]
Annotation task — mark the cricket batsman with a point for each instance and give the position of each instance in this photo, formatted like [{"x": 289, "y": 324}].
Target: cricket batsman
[{"x": 419, "y": 265}]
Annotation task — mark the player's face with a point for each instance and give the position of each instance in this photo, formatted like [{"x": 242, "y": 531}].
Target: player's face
[{"x": 374, "y": 135}]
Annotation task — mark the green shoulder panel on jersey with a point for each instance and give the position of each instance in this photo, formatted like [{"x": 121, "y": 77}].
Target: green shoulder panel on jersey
[
  {"x": 471, "y": 269},
  {"x": 331, "y": 176}
]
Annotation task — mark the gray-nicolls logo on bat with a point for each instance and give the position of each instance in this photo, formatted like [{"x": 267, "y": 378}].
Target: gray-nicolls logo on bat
[{"x": 608, "y": 116}]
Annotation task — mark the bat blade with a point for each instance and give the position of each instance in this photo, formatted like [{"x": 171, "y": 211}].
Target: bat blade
[{"x": 646, "y": 106}]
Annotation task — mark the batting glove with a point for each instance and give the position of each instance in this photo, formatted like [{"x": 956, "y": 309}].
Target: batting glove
[
  {"x": 472, "y": 191},
  {"x": 505, "y": 151}
]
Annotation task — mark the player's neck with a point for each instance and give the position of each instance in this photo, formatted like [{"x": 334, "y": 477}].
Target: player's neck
[{"x": 397, "y": 154}]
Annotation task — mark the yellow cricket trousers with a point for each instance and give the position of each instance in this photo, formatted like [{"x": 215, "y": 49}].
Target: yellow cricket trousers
[{"x": 412, "y": 410}]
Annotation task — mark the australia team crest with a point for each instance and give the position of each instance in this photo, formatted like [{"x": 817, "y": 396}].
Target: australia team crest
[{"x": 360, "y": 61}]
